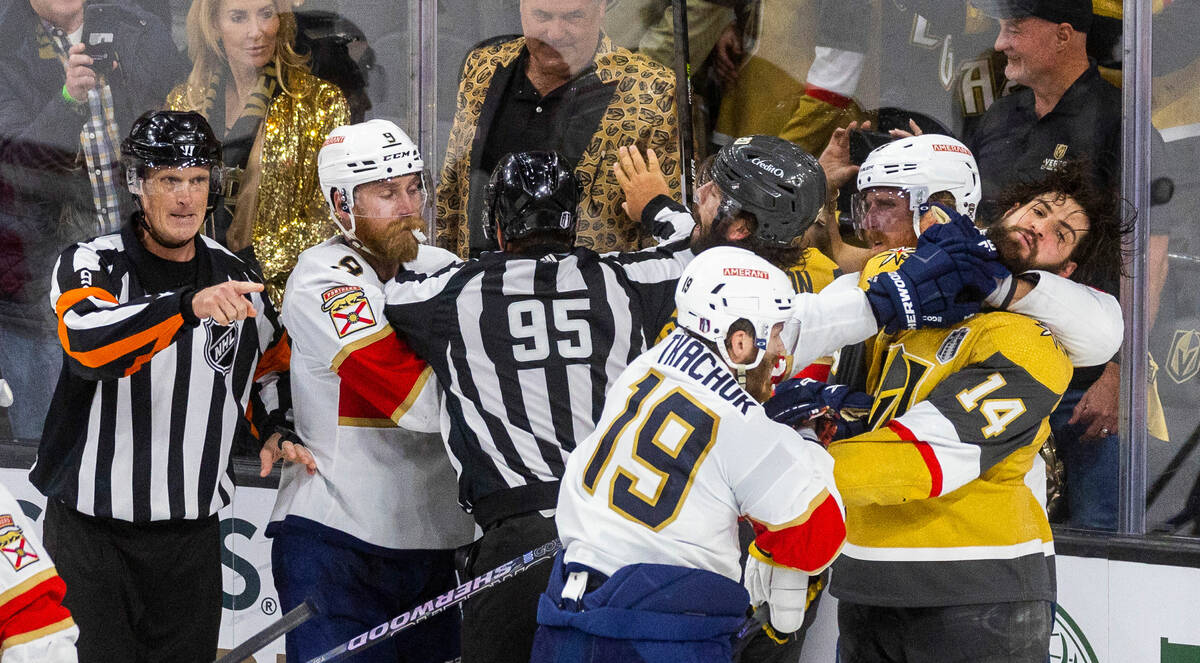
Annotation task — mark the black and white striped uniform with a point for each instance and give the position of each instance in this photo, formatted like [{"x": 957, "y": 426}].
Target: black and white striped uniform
[
  {"x": 525, "y": 347},
  {"x": 150, "y": 399}
]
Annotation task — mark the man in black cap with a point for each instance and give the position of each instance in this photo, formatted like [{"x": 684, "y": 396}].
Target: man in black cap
[
  {"x": 1064, "y": 108},
  {"x": 1064, "y": 111}
]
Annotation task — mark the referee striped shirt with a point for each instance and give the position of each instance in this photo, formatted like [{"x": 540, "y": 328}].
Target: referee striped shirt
[
  {"x": 150, "y": 399},
  {"x": 525, "y": 347}
]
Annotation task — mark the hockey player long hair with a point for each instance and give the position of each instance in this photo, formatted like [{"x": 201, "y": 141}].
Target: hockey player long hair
[{"x": 1100, "y": 253}]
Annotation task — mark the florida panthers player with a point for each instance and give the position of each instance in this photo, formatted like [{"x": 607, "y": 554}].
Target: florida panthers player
[
  {"x": 368, "y": 527},
  {"x": 649, "y": 502}
]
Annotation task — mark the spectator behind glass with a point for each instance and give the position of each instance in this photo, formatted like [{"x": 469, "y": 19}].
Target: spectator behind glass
[
  {"x": 60, "y": 124},
  {"x": 1065, "y": 110},
  {"x": 272, "y": 116},
  {"x": 563, "y": 86}
]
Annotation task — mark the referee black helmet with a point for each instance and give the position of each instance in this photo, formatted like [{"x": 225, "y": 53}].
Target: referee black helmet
[
  {"x": 171, "y": 139},
  {"x": 531, "y": 192},
  {"x": 774, "y": 180}
]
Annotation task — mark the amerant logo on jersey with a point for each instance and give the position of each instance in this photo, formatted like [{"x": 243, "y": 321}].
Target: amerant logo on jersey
[
  {"x": 334, "y": 140},
  {"x": 348, "y": 308},
  {"x": 746, "y": 271}
]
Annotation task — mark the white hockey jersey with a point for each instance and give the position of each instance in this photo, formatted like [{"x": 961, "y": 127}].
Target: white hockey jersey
[
  {"x": 34, "y": 625},
  {"x": 680, "y": 453},
  {"x": 368, "y": 409}
]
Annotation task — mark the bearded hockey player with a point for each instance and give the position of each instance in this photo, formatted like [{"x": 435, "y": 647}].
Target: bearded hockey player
[
  {"x": 367, "y": 521},
  {"x": 649, "y": 502},
  {"x": 945, "y": 536}
]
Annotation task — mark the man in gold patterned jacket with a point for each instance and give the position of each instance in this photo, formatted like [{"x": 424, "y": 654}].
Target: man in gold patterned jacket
[{"x": 561, "y": 86}]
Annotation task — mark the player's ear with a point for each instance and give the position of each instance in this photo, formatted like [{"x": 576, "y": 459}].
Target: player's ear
[
  {"x": 741, "y": 346},
  {"x": 1068, "y": 269}
]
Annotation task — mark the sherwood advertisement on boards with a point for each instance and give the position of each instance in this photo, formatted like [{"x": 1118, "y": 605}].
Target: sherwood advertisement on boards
[{"x": 1109, "y": 611}]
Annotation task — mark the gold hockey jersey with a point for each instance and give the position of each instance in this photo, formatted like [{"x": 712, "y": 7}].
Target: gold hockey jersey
[{"x": 938, "y": 511}]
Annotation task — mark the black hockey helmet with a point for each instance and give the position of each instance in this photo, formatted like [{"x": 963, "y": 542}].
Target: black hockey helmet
[
  {"x": 176, "y": 139},
  {"x": 171, "y": 139},
  {"x": 531, "y": 192},
  {"x": 773, "y": 179}
]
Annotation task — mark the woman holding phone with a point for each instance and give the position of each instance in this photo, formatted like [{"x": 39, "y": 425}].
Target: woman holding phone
[{"x": 272, "y": 115}]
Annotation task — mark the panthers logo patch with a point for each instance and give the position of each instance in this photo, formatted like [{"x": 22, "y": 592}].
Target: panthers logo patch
[{"x": 348, "y": 309}]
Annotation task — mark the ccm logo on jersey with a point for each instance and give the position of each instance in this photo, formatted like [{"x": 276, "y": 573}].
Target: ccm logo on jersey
[
  {"x": 746, "y": 271},
  {"x": 348, "y": 309},
  {"x": 13, "y": 544}
]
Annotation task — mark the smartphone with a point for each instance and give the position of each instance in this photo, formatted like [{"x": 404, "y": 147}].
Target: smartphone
[
  {"x": 99, "y": 30},
  {"x": 862, "y": 142}
]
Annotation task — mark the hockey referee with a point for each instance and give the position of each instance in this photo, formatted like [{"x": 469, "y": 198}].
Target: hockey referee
[
  {"x": 163, "y": 331},
  {"x": 525, "y": 341}
]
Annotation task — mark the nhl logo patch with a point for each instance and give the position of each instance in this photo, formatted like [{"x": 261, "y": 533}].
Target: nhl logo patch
[
  {"x": 14, "y": 546},
  {"x": 348, "y": 309},
  {"x": 951, "y": 345},
  {"x": 220, "y": 346}
]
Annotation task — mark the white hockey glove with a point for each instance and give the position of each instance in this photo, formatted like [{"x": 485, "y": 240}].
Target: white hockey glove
[{"x": 784, "y": 589}]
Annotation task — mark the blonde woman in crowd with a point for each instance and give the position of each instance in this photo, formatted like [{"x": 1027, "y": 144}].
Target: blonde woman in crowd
[{"x": 272, "y": 115}]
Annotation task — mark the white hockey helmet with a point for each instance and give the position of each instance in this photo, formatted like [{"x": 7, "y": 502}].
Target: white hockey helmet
[
  {"x": 725, "y": 284},
  {"x": 355, "y": 154},
  {"x": 922, "y": 166}
]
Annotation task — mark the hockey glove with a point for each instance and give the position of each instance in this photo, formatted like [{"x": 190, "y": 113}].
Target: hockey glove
[
  {"x": 923, "y": 292},
  {"x": 978, "y": 262},
  {"x": 784, "y": 589},
  {"x": 834, "y": 411}
]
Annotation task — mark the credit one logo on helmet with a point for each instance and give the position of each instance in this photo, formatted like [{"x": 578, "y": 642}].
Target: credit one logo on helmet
[
  {"x": 746, "y": 271},
  {"x": 770, "y": 168}
]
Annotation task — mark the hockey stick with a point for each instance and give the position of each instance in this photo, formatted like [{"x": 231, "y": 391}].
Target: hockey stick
[
  {"x": 683, "y": 99},
  {"x": 283, "y": 625},
  {"x": 432, "y": 607}
]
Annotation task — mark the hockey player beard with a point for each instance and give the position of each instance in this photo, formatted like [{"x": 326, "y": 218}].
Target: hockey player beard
[
  {"x": 397, "y": 242},
  {"x": 1010, "y": 240},
  {"x": 758, "y": 379}
]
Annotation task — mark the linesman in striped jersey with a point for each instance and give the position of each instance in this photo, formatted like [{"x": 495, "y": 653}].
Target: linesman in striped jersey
[
  {"x": 525, "y": 342},
  {"x": 163, "y": 333}
]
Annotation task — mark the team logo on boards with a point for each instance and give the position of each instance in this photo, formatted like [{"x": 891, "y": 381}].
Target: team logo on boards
[
  {"x": 13, "y": 544},
  {"x": 221, "y": 346},
  {"x": 348, "y": 309},
  {"x": 1183, "y": 359},
  {"x": 1068, "y": 644}
]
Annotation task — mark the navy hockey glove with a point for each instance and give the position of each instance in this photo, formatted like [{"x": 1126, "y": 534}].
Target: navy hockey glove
[
  {"x": 979, "y": 266},
  {"x": 804, "y": 401},
  {"x": 923, "y": 292}
]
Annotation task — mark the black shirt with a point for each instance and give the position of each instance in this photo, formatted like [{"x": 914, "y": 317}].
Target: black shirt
[
  {"x": 563, "y": 120},
  {"x": 1012, "y": 143}
]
